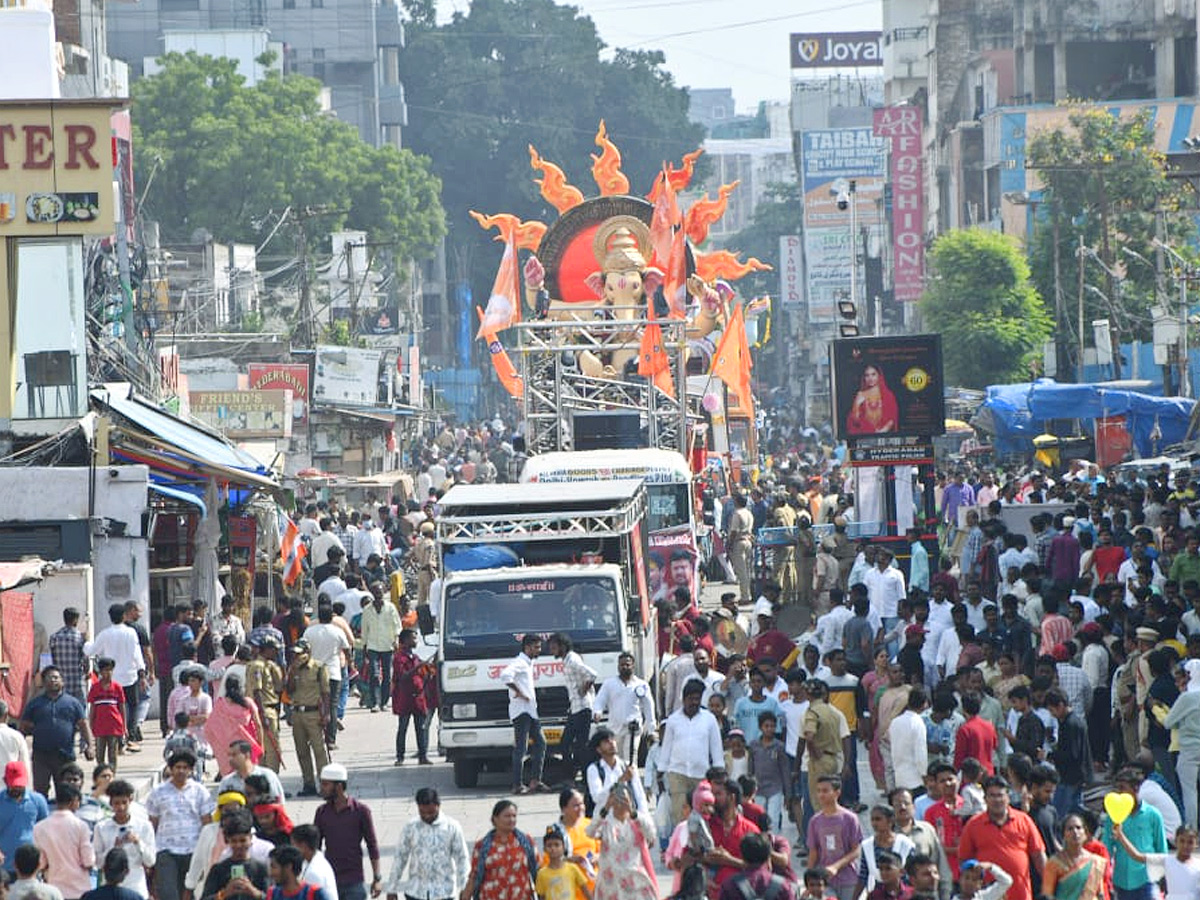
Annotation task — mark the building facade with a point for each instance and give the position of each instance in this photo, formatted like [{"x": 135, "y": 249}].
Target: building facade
[{"x": 351, "y": 46}]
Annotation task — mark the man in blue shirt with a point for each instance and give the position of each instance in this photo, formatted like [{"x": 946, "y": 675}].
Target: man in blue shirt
[
  {"x": 1144, "y": 830},
  {"x": 20, "y": 810},
  {"x": 52, "y": 717}
]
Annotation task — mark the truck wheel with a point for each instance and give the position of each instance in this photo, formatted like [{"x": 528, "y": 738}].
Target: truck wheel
[{"x": 466, "y": 773}]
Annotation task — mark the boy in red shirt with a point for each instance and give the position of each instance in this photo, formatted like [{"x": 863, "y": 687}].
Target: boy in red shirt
[
  {"x": 944, "y": 815},
  {"x": 106, "y": 716}
]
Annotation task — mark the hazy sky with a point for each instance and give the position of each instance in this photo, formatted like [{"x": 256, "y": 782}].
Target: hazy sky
[{"x": 740, "y": 44}]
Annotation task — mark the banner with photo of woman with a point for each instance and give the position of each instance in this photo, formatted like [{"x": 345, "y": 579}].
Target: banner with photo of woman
[{"x": 888, "y": 387}]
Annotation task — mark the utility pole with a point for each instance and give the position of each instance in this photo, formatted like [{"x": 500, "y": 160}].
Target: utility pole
[{"x": 1079, "y": 254}]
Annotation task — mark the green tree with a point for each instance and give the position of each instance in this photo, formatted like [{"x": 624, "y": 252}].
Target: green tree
[
  {"x": 1105, "y": 184},
  {"x": 509, "y": 73},
  {"x": 218, "y": 155},
  {"x": 990, "y": 316}
]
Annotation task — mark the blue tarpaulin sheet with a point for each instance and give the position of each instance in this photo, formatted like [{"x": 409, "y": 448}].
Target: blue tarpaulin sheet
[{"x": 1017, "y": 413}]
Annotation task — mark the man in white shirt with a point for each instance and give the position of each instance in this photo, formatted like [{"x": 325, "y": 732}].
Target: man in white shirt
[
  {"x": 369, "y": 540},
  {"x": 608, "y": 768},
  {"x": 626, "y": 699},
  {"x": 332, "y": 650},
  {"x": 316, "y": 871},
  {"x": 830, "y": 625},
  {"x": 13, "y": 745},
  {"x": 792, "y": 711},
  {"x": 432, "y": 858},
  {"x": 909, "y": 746},
  {"x": 323, "y": 541},
  {"x": 308, "y": 526},
  {"x": 885, "y": 589},
  {"x": 581, "y": 694},
  {"x": 523, "y": 713},
  {"x": 691, "y": 744}
]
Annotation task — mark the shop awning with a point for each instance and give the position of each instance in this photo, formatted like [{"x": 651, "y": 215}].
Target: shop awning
[
  {"x": 181, "y": 496},
  {"x": 179, "y": 454},
  {"x": 16, "y": 574},
  {"x": 385, "y": 415}
]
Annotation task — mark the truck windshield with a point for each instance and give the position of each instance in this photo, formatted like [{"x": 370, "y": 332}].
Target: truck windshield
[
  {"x": 482, "y": 618},
  {"x": 668, "y": 506}
]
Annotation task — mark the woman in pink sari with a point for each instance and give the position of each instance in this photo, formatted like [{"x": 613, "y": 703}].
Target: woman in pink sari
[
  {"x": 233, "y": 718},
  {"x": 874, "y": 683}
]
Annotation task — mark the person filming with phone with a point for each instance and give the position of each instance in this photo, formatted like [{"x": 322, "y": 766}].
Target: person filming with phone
[{"x": 240, "y": 877}]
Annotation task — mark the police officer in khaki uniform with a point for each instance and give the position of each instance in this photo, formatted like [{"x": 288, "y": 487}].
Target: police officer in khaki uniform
[
  {"x": 425, "y": 556},
  {"x": 308, "y": 687},
  {"x": 264, "y": 682},
  {"x": 783, "y": 556}
]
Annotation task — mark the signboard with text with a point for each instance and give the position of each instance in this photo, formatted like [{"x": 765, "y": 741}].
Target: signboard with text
[
  {"x": 837, "y": 50},
  {"x": 791, "y": 270},
  {"x": 244, "y": 414},
  {"x": 280, "y": 377},
  {"x": 889, "y": 387},
  {"x": 899, "y": 451},
  {"x": 902, "y": 126},
  {"x": 56, "y": 168},
  {"x": 830, "y": 159}
]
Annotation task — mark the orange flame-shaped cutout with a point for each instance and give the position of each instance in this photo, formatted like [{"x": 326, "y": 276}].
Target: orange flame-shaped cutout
[
  {"x": 555, "y": 189},
  {"x": 606, "y": 168},
  {"x": 726, "y": 265},
  {"x": 704, "y": 212},
  {"x": 679, "y": 178},
  {"x": 526, "y": 235}
]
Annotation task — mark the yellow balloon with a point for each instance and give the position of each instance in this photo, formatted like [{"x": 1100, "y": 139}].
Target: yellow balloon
[{"x": 1118, "y": 806}]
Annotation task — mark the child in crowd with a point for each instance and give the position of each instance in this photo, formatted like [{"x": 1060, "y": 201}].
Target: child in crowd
[
  {"x": 716, "y": 706},
  {"x": 891, "y": 884},
  {"x": 181, "y": 739},
  {"x": 816, "y": 884},
  {"x": 769, "y": 763},
  {"x": 971, "y": 875},
  {"x": 1181, "y": 869},
  {"x": 106, "y": 713},
  {"x": 737, "y": 758},
  {"x": 971, "y": 779},
  {"x": 560, "y": 879}
]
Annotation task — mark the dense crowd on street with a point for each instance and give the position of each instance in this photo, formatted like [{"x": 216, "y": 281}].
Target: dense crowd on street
[{"x": 996, "y": 687}]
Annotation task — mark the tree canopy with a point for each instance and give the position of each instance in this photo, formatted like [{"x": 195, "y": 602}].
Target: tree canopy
[
  {"x": 509, "y": 73},
  {"x": 219, "y": 155},
  {"x": 1105, "y": 183},
  {"x": 980, "y": 298}
]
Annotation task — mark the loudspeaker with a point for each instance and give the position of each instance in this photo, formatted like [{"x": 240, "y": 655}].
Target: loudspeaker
[{"x": 602, "y": 430}]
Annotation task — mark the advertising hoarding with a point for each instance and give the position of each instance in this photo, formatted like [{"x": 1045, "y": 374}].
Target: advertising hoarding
[
  {"x": 830, "y": 159},
  {"x": 836, "y": 50},
  {"x": 283, "y": 377},
  {"x": 346, "y": 376},
  {"x": 888, "y": 387},
  {"x": 901, "y": 125},
  {"x": 244, "y": 414}
]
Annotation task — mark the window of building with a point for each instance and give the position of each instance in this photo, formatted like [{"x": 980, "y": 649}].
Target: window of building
[
  {"x": 289, "y": 4},
  {"x": 178, "y": 5},
  {"x": 318, "y": 58}
]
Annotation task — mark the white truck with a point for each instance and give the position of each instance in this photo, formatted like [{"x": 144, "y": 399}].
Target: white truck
[{"x": 538, "y": 558}]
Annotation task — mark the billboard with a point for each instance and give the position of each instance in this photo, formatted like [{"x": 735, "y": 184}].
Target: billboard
[
  {"x": 244, "y": 414},
  {"x": 888, "y": 387},
  {"x": 830, "y": 157},
  {"x": 346, "y": 376},
  {"x": 902, "y": 126},
  {"x": 283, "y": 377},
  {"x": 837, "y": 50}
]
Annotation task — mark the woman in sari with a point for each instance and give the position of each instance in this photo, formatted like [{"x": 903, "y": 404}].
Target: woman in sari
[
  {"x": 891, "y": 703},
  {"x": 626, "y": 871},
  {"x": 1074, "y": 873},
  {"x": 233, "y": 718},
  {"x": 874, "y": 409},
  {"x": 874, "y": 683}
]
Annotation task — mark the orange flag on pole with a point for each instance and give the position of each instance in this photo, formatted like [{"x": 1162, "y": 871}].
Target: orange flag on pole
[
  {"x": 505, "y": 370},
  {"x": 731, "y": 362},
  {"x": 504, "y": 304},
  {"x": 291, "y": 552}
]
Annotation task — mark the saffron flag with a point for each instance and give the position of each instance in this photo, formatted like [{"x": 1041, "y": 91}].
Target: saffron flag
[
  {"x": 670, "y": 246},
  {"x": 505, "y": 370},
  {"x": 504, "y": 304},
  {"x": 731, "y": 361},
  {"x": 291, "y": 552}
]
